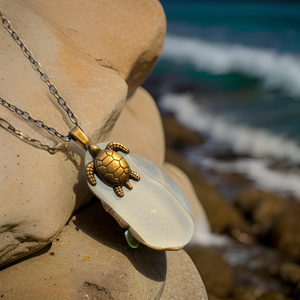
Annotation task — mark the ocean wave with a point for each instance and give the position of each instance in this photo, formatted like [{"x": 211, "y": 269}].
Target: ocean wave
[
  {"x": 259, "y": 172},
  {"x": 277, "y": 71},
  {"x": 241, "y": 138}
]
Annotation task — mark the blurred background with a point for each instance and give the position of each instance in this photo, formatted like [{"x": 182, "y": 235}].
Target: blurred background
[{"x": 228, "y": 88}]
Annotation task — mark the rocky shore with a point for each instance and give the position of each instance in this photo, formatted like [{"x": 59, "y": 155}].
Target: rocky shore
[{"x": 260, "y": 259}]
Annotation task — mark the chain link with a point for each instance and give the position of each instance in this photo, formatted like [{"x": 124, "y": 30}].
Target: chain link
[{"x": 44, "y": 77}]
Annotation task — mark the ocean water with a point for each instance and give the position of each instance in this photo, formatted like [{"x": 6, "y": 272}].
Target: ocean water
[{"x": 231, "y": 71}]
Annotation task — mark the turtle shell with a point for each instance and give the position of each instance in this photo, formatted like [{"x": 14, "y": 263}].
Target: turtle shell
[{"x": 112, "y": 168}]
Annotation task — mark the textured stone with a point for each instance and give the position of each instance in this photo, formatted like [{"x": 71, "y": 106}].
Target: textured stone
[
  {"x": 290, "y": 273},
  {"x": 263, "y": 207},
  {"x": 90, "y": 259},
  {"x": 244, "y": 293},
  {"x": 271, "y": 296},
  {"x": 285, "y": 234},
  {"x": 139, "y": 127},
  {"x": 178, "y": 135},
  {"x": 183, "y": 280},
  {"x": 83, "y": 56},
  {"x": 217, "y": 275}
]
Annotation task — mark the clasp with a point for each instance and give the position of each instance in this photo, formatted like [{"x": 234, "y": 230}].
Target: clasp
[{"x": 78, "y": 135}]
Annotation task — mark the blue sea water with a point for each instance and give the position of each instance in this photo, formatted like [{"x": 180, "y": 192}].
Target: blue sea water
[{"x": 231, "y": 70}]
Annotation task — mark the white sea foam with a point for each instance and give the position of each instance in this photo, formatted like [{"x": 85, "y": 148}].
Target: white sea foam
[
  {"x": 242, "y": 139},
  {"x": 257, "y": 170},
  {"x": 276, "y": 70}
]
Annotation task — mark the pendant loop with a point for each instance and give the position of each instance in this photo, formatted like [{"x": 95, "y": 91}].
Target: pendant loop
[{"x": 78, "y": 135}]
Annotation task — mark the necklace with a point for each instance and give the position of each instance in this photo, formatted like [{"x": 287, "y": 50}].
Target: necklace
[
  {"x": 107, "y": 172},
  {"x": 109, "y": 165}
]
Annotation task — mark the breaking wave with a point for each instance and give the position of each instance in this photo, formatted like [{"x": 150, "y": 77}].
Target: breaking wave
[
  {"x": 276, "y": 70},
  {"x": 241, "y": 138}
]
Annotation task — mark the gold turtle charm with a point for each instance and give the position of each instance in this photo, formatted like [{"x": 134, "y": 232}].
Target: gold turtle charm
[{"x": 111, "y": 168}]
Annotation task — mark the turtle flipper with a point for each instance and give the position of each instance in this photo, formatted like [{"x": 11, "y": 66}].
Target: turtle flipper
[
  {"x": 89, "y": 173},
  {"x": 117, "y": 147},
  {"x": 135, "y": 176},
  {"x": 119, "y": 191},
  {"x": 128, "y": 185}
]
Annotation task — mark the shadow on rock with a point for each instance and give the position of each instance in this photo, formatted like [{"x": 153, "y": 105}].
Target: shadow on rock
[{"x": 94, "y": 221}]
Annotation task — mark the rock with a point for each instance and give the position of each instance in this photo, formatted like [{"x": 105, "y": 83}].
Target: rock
[
  {"x": 183, "y": 280},
  {"x": 289, "y": 273},
  {"x": 139, "y": 127},
  {"x": 90, "y": 259},
  {"x": 248, "y": 199},
  {"x": 271, "y": 296},
  {"x": 285, "y": 234},
  {"x": 178, "y": 135},
  {"x": 264, "y": 208},
  {"x": 244, "y": 293},
  {"x": 212, "y": 297},
  {"x": 221, "y": 214},
  {"x": 127, "y": 37},
  {"x": 40, "y": 191},
  {"x": 216, "y": 274},
  {"x": 267, "y": 210}
]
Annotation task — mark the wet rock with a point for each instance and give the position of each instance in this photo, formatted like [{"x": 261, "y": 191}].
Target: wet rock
[
  {"x": 267, "y": 210},
  {"x": 285, "y": 234},
  {"x": 213, "y": 297},
  {"x": 183, "y": 280},
  {"x": 271, "y": 296},
  {"x": 244, "y": 293},
  {"x": 290, "y": 273},
  {"x": 216, "y": 274},
  {"x": 262, "y": 207},
  {"x": 178, "y": 135},
  {"x": 248, "y": 199}
]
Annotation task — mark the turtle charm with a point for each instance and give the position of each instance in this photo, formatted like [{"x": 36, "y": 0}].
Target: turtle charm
[{"x": 111, "y": 167}]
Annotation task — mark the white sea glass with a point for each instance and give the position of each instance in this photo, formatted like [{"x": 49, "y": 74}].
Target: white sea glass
[{"x": 155, "y": 209}]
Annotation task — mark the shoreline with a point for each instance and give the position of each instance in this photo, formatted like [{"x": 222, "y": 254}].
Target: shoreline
[{"x": 256, "y": 221}]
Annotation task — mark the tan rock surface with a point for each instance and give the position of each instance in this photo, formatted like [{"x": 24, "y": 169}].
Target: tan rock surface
[
  {"x": 139, "y": 127},
  {"x": 40, "y": 191},
  {"x": 183, "y": 280},
  {"x": 89, "y": 259}
]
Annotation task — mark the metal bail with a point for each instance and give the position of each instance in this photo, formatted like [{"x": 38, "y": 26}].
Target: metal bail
[{"x": 79, "y": 137}]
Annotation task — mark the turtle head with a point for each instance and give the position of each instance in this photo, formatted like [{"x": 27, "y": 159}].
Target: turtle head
[{"x": 94, "y": 150}]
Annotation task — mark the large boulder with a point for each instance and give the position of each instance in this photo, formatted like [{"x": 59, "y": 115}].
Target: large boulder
[
  {"x": 90, "y": 57},
  {"x": 89, "y": 259}
]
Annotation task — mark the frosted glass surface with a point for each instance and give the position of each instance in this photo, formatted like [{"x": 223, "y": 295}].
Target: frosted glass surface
[{"x": 155, "y": 209}]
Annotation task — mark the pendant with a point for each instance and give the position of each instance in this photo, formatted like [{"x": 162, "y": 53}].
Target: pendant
[{"x": 139, "y": 195}]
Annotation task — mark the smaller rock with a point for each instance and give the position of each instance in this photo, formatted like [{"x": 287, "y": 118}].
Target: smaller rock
[
  {"x": 178, "y": 135},
  {"x": 216, "y": 274},
  {"x": 263, "y": 208},
  {"x": 244, "y": 293},
  {"x": 248, "y": 199},
  {"x": 272, "y": 296},
  {"x": 212, "y": 297},
  {"x": 290, "y": 273},
  {"x": 285, "y": 234},
  {"x": 267, "y": 210}
]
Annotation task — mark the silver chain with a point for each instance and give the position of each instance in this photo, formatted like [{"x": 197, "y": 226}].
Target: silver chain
[{"x": 37, "y": 67}]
